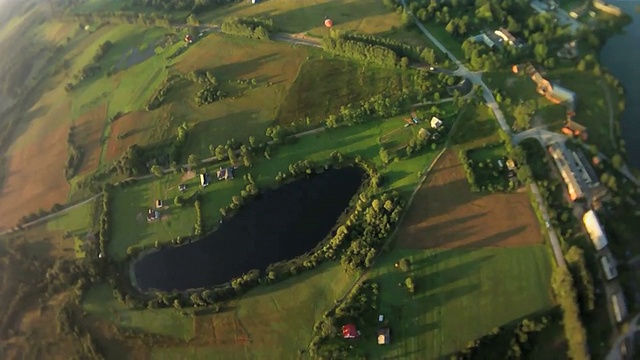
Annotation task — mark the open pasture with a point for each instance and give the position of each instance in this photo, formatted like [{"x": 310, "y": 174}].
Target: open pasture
[
  {"x": 460, "y": 295},
  {"x": 324, "y": 85},
  {"x": 446, "y": 214},
  {"x": 297, "y": 16}
]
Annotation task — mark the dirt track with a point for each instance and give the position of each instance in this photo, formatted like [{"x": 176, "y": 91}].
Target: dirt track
[{"x": 446, "y": 214}]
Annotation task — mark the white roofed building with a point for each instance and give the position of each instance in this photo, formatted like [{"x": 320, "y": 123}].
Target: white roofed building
[{"x": 596, "y": 233}]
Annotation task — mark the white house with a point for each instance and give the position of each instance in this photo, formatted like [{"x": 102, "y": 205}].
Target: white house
[
  {"x": 436, "y": 123},
  {"x": 594, "y": 229}
]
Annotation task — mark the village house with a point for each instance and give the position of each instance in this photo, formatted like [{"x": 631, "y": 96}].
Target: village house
[
  {"x": 152, "y": 215},
  {"x": 575, "y": 129},
  {"x": 349, "y": 331},
  {"x": 159, "y": 204},
  {"x": 435, "y": 123},
  {"x": 506, "y": 36},
  {"x": 225, "y": 173},
  {"x": 383, "y": 336},
  {"x": 204, "y": 180}
]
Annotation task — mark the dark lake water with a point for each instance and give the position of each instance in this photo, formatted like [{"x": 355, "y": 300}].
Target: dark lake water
[
  {"x": 621, "y": 56},
  {"x": 280, "y": 225}
]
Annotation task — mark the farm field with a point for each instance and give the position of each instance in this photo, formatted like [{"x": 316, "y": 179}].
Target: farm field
[
  {"x": 132, "y": 200},
  {"x": 461, "y": 295},
  {"x": 298, "y": 16},
  {"x": 60, "y": 236},
  {"x": 446, "y": 214}
]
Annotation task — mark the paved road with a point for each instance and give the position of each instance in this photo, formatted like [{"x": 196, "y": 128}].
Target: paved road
[{"x": 614, "y": 353}]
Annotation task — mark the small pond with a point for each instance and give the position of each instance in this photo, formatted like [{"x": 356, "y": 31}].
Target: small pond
[{"x": 280, "y": 224}]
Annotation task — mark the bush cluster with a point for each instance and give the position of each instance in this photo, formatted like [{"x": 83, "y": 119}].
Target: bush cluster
[
  {"x": 564, "y": 289},
  {"x": 361, "y": 51},
  {"x": 248, "y": 27},
  {"x": 158, "y": 98},
  {"x": 74, "y": 159},
  {"x": 413, "y": 53}
]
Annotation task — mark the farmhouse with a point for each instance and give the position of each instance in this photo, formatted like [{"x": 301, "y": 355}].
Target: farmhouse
[
  {"x": 383, "y": 336},
  {"x": 349, "y": 331},
  {"x": 204, "y": 180},
  {"x": 225, "y": 173},
  {"x": 573, "y": 128},
  {"x": 597, "y": 235},
  {"x": 435, "y": 123}
]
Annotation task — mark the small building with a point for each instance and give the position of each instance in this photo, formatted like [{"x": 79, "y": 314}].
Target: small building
[
  {"x": 436, "y": 123},
  {"x": 188, "y": 38},
  {"x": 383, "y": 336},
  {"x": 349, "y": 331},
  {"x": 152, "y": 215},
  {"x": 225, "y": 173},
  {"x": 594, "y": 229},
  {"x": 380, "y": 318},
  {"x": 506, "y": 36},
  {"x": 159, "y": 204},
  {"x": 182, "y": 187},
  {"x": 578, "y": 130},
  {"x": 609, "y": 266},
  {"x": 204, "y": 180}
]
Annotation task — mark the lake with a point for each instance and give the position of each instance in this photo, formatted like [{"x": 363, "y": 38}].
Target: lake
[
  {"x": 621, "y": 55},
  {"x": 280, "y": 224}
]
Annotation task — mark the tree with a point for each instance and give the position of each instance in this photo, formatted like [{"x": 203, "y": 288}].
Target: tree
[
  {"x": 193, "y": 20},
  {"x": 521, "y": 113},
  {"x": 178, "y": 200},
  {"x": 232, "y": 157},
  {"x": 252, "y": 141},
  {"x": 405, "y": 265},
  {"x": 410, "y": 285},
  {"x": 616, "y": 161},
  {"x": 220, "y": 152},
  {"x": 156, "y": 170},
  {"x": 384, "y": 155},
  {"x": 540, "y": 52},
  {"x": 193, "y": 161}
]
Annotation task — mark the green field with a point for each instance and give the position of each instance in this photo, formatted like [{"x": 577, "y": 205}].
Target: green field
[
  {"x": 100, "y": 302},
  {"x": 460, "y": 296},
  {"x": 337, "y": 82}
]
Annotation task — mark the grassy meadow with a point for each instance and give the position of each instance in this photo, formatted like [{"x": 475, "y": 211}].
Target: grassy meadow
[{"x": 461, "y": 295}]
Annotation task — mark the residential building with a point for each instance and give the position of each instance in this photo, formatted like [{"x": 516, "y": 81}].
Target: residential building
[
  {"x": 159, "y": 204},
  {"x": 569, "y": 178},
  {"x": 619, "y": 306},
  {"x": 436, "y": 123},
  {"x": 349, "y": 331},
  {"x": 506, "y": 36},
  {"x": 383, "y": 336},
  {"x": 225, "y": 173},
  {"x": 204, "y": 180}
]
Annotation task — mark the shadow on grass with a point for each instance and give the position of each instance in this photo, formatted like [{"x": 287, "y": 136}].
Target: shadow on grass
[{"x": 238, "y": 70}]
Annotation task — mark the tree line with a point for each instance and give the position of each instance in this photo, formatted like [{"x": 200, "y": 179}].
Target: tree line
[
  {"x": 362, "y": 51},
  {"x": 413, "y": 53},
  {"x": 359, "y": 305},
  {"x": 75, "y": 156},
  {"x": 103, "y": 229},
  {"x": 92, "y": 68}
]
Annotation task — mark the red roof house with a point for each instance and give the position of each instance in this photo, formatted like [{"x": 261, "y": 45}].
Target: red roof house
[{"x": 349, "y": 331}]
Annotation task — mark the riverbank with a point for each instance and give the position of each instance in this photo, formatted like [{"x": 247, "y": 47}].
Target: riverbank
[{"x": 619, "y": 56}]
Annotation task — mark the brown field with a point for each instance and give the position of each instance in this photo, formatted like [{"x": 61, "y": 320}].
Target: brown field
[
  {"x": 35, "y": 178},
  {"x": 446, "y": 214},
  {"x": 88, "y": 132},
  {"x": 134, "y": 128}
]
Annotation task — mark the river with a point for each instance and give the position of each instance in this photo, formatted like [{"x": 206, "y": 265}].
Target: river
[
  {"x": 621, "y": 56},
  {"x": 279, "y": 225}
]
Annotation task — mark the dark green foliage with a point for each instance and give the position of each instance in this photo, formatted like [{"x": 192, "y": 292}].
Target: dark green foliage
[
  {"x": 564, "y": 289},
  {"x": 158, "y": 98},
  {"x": 74, "y": 159},
  {"x": 196, "y": 6},
  {"x": 413, "y": 53},
  {"x": 361, "y": 51},
  {"x": 103, "y": 230},
  {"x": 198, "y": 227},
  {"x": 248, "y": 27},
  {"x": 578, "y": 267}
]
